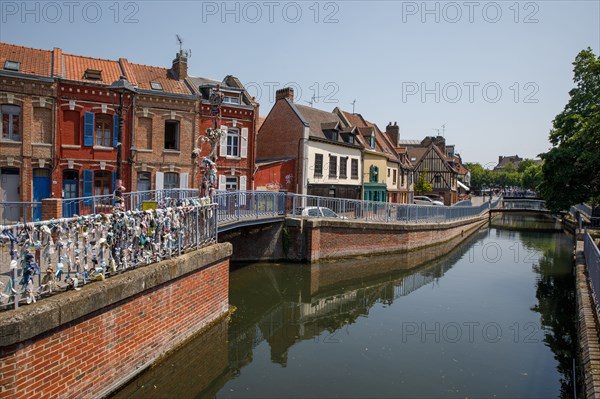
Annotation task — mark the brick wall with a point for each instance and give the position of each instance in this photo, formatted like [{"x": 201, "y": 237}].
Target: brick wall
[
  {"x": 279, "y": 134},
  {"x": 151, "y": 114},
  {"x": 90, "y": 355},
  {"x": 337, "y": 239},
  {"x": 36, "y": 100}
]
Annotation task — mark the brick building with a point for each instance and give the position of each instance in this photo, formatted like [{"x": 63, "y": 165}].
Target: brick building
[
  {"x": 60, "y": 126},
  {"x": 239, "y": 116},
  {"x": 87, "y": 127},
  {"x": 165, "y": 126},
  {"x": 327, "y": 155},
  {"x": 27, "y": 108}
]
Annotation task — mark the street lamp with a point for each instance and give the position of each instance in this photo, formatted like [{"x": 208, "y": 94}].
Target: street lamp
[{"x": 121, "y": 87}]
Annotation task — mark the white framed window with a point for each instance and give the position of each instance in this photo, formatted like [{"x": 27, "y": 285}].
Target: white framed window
[
  {"x": 231, "y": 100},
  {"x": 11, "y": 122},
  {"x": 233, "y": 142}
]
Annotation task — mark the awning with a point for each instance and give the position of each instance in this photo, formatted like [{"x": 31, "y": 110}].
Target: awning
[{"x": 461, "y": 185}]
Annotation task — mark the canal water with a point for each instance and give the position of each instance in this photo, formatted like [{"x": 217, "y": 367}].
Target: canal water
[{"x": 492, "y": 318}]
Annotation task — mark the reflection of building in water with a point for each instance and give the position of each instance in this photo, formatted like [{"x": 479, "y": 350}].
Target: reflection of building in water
[{"x": 321, "y": 300}]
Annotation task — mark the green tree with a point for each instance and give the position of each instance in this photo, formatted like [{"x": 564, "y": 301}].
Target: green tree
[
  {"x": 571, "y": 169},
  {"x": 422, "y": 186},
  {"x": 532, "y": 177},
  {"x": 479, "y": 176},
  {"x": 524, "y": 164}
]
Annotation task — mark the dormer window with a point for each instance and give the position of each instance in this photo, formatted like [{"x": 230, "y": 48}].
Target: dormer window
[
  {"x": 350, "y": 139},
  {"x": 332, "y": 135},
  {"x": 231, "y": 100},
  {"x": 92, "y": 74},
  {"x": 156, "y": 86},
  {"x": 372, "y": 142},
  {"x": 413, "y": 159},
  {"x": 12, "y": 65}
]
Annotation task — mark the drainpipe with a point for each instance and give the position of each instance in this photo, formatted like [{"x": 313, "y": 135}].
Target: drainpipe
[{"x": 132, "y": 144}]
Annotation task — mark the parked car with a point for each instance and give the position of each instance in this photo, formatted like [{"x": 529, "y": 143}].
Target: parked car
[
  {"x": 320, "y": 211},
  {"x": 424, "y": 200}
]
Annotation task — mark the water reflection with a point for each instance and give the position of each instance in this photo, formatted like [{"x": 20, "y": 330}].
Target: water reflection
[{"x": 340, "y": 329}]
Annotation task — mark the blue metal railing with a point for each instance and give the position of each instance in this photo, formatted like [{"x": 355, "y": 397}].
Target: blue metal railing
[
  {"x": 592, "y": 261},
  {"x": 20, "y": 212},
  {"x": 523, "y": 203},
  {"x": 247, "y": 205},
  {"x": 131, "y": 201}
]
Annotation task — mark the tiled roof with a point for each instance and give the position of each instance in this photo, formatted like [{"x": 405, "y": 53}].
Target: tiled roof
[
  {"x": 355, "y": 119},
  {"x": 416, "y": 153},
  {"x": 315, "y": 118},
  {"x": 32, "y": 61},
  {"x": 75, "y": 67},
  {"x": 144, "y": 74}
]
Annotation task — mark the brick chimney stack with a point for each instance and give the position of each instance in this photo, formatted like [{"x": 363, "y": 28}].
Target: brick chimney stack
[
  {"x": 286, "y": 92},
  {"x": 393, "y": 132},
  {"x": 180, "y": 66}
]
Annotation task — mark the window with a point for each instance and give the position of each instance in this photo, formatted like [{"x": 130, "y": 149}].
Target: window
[
  {"x": 354, "y": 168},
  {"x": 318, "y": 165},
  {"x": 231, "y": 183},
  {"x": 394, "y": 177},
  {"x": 389, "y": 172},
  {"x": 231, "y": 100},
  {"x": 171, "y": 135},
  {"x": 102, "y": 183},
  {"x": 171, "y": 181},
  {"x": 233, "y": 142},
  {"x": 372, "y": 142},
  {"x": 437, "y": 178},
  {"x": 350, "y": 139},
  {"x": 92, "y": 74},
  {"x": 156, "y": 86},
  {"x": 402, "y": 178},
  {"x": 11, "y": 122},
  {"x": 332, "y": 166},
  {"x": 343, "y": 167},
  {"x": 143, "y": 181},
  {"x": 104, "y": 127},
  {"x": 373, "y": 174},
  {"x": 12, "y": 65}
]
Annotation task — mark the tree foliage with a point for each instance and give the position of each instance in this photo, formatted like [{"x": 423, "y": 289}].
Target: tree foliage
[
  {"x": 532, "y": 177},
  {"x": 571, "y": 170},
  {"x": 421, "y": 185}
]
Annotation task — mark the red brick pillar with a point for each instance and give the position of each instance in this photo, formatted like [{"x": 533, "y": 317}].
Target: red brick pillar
[{"x": 51, "y": 208}]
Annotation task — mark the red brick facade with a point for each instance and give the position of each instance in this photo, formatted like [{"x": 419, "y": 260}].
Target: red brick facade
[
  {"x": 28, "y": 107},
  {"x": 85, "y": 357},
  {"x": 67, "y": 126}
]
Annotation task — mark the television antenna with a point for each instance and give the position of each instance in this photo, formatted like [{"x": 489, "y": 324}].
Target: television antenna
[
  {"x": 313, "y": 100},
  {"x": 353, "y": 104},
  {"x": 188, "y": 53}
]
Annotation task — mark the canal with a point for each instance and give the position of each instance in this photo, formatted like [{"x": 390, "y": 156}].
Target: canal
[{"x": 492, "y": 316}]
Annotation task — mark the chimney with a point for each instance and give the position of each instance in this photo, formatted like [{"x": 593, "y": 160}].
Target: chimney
[
  {"x": 286, "y": 92},
  {"x": 393, "y": 132},
  {"x": 180, "y": 66}
]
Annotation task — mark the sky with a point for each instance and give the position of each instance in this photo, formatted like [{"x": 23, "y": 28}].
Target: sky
[{"x": 490, "y": 76}]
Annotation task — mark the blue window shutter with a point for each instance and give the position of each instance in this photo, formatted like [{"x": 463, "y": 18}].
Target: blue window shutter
[
  {"x": 115, "y": 130},
  {"x": 88, "y": 129},
  {"x": 114, "y": 180},
  {"x": 88, "y": 185}
]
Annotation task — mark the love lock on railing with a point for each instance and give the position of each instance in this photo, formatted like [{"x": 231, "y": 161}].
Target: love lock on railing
[{"x": 72, "y": 252}]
